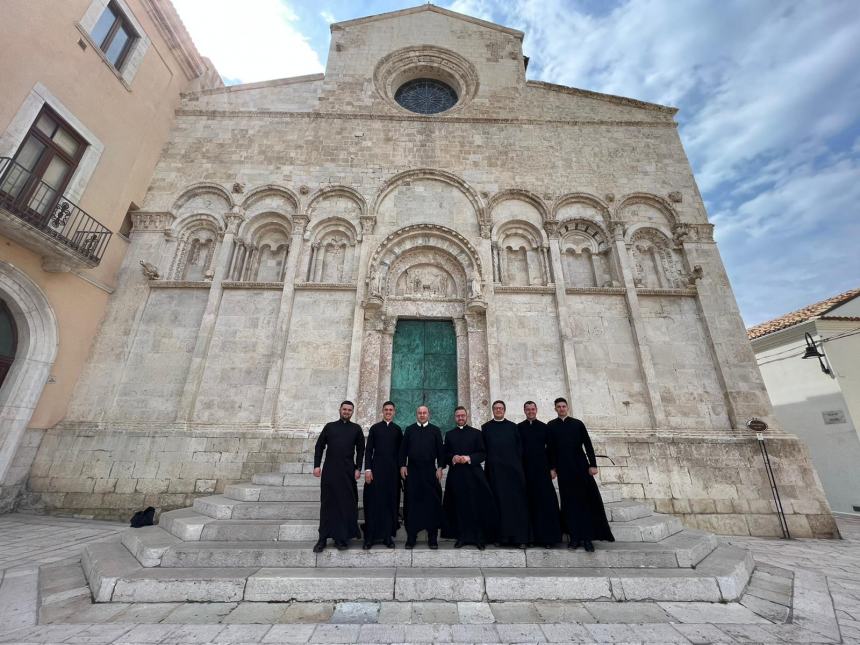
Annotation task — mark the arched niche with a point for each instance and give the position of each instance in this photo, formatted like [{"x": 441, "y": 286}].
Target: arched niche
[
  {"x": 332, "y": 251},
  {"x": 643, "y": 209},
  {"x": 518, "y": 205},
  {"x": 203, "y": 198},
  {"x": 426, "y": 246},
  {"x": 426, "y": 273},
  {"x": 430, "y": 197},
  {"x": 657, "y": 264},
  {"x": 585, "y": 254},
  {"x": 262, "y": 249},
  {"x": 519, "y": 254},
  {"x": 197, "y": 236},
  {"x": 270, "y": 199},
  {"x": 336, "y": 201},
  {"x": 581, "y": 206}
]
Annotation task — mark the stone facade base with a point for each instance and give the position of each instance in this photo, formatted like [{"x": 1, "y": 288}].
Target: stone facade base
[{"x": 714, "y": 483}]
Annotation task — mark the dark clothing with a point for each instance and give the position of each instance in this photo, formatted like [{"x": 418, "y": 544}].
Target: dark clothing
[
  {"x": 507, "y": 480},
  {"x": 571, "y": 454},
  {"x": 470, "y": 510},
  {"x": 544, "y": 519},
  {"x": 343, "y": 443},
  {"x": 421, "y": 452},
  {"x": 382, "y": 495}
]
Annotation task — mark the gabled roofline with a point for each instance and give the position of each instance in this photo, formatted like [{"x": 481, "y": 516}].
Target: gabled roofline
[
  {"x": 427, "y": 7},
  {"x": 620, "y": 100},
  {"x": 276, "y": 82}
]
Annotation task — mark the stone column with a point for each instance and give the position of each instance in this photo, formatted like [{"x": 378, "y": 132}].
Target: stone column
[
  {"x": 637, "y": 327},
  {"x": 282, "y": 325},
  {"x": 544, "y": 252},
  {"x": 479, "y": 386},
  {"x": 386, "y": 352},
  {"x": 234, "y": 272},
  {"x": 367, "y": 402},
  {"x": 354, "y": 373},
  {"x": 491, "y": 337},
  {"x": 735, "y": 362},
  {"x": 319, "y": 259},
  {"x": 497, "y": 274},
  {"x": 568, "y": 355},
  {"x": 210, "y": 315},
  {"x": 464, "y": 385}
]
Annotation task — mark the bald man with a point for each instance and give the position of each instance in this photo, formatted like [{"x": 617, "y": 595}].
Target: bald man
[{"x": 421, "y": 462}]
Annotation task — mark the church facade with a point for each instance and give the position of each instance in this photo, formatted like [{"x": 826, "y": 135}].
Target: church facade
[{"x": 422, "y": 223}]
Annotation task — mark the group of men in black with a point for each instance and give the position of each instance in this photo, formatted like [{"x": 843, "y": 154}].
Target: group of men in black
[{"x": 511, "y": 500}]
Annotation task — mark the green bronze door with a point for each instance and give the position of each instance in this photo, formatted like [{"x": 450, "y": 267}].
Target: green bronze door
[{"x": 424, "y": 371}]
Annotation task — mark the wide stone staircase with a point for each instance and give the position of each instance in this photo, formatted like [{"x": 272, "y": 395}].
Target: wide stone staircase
[{"x": 254, "y": 542}]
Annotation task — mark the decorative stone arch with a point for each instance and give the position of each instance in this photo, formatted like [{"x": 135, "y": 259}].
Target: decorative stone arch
[
  {"x": 520, "y": 255},
  {"x": 426, "y": 236},
  {"x": 656, "y": 262},
  {"x": 280, "y": 193},
  {"x": 655, "y": 201},
  {"x": 262, "y": 249},
  {"x": 585, "y": 254},
  {"x": 518, "y": 194},
  {"x": 337, "y": 191},
  {"x": 582, "y": 198},
  {"x": 38, "y": 340},
  {"x": 202, "y": 189},
  {"x": 331, "y": 254},
  {"x": 632, "y": 229},
  {"x": 197, "y": 236},
  {"x": 480, "y": 210}
]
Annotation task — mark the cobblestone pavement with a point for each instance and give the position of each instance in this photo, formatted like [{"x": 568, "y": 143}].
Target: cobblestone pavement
[{"x": 55, "y": 606}]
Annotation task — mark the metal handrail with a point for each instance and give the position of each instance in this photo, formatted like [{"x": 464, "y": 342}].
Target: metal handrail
[{"x": 40, "y": 205}]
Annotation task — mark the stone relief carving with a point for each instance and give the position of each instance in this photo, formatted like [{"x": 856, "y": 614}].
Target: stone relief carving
[
  {"x": 150, "y": 271},
  {"x": 656, "y": 264},
  {"x": 585, "y": 255},
  {"x": 332, "y": 253},
  {"x": 426, "y": 281},
  {"x": 427, "y": 274},
  {"x": 194, "y": 254}
]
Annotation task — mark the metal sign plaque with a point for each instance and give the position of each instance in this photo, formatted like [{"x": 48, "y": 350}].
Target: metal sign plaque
[
  {"x": 832, "y": 417},
  {"x": 756, "y": 425}
]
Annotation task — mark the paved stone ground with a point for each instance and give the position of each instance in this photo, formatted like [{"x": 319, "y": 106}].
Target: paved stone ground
[{"x": 803, "y": 591}]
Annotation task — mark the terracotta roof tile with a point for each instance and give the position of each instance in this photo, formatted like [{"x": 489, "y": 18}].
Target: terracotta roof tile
[{"x": 801, "y": 315}]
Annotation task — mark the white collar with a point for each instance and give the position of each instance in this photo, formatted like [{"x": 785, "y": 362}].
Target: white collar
[{"x": 423, "y": 425}]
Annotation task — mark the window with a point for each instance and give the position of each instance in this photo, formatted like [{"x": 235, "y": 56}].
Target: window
[
  {"x": 114, "y": 35},
  {"x": 36, "y": 177},
  {"x": 8, "y": 340},
  {"x": 426, "y": 96}
]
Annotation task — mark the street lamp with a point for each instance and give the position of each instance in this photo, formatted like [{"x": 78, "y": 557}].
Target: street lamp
[{"x": 812, "y": 351}]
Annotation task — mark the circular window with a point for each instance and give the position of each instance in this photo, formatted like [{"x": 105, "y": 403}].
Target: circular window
[{"x": 426, "y": 96}]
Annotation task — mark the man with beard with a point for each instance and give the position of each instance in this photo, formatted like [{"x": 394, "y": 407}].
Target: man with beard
[
  {"x": 544, "y": 520},
  {"x": 421, "y": 464},
  {"x": 506, "y": 477},
  {"x": 343, "y": 444},
  {"x": 382, "y": 480},
  {"x": 470, "y": 511},
  {"x": 572, "y": 457}
]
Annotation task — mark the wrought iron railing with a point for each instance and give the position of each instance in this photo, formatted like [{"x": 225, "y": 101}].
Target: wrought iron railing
[{"x": 42, "y": 207}]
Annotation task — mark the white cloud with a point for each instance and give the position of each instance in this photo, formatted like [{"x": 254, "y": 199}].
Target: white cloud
[
  {"x": 328, "y": 16},
  {"x": 255, "y": 40}
]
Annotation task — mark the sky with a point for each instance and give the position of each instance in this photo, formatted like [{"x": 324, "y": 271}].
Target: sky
[{"x": 768, "y": 93}]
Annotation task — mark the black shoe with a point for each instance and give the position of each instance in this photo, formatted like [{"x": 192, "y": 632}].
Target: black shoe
[
  {"x": 341, "y": 546},
  {"x": 433, "y": 545},
  {"x": 458, "y": 544},
  {"x": 481, "y": 547},
  {"x": 574, "y": 544},
  {"x": 319, "y": 546},
  {"x": 366, "y": 546},
  {"x": 389, "y": 543},
  {"x": 589, "y": 546}
]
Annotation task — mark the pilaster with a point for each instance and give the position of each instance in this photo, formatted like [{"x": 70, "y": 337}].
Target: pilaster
[{"x": 354, "y": 371}]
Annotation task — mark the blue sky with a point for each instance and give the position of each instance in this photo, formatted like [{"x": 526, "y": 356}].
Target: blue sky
[{"x": 768, "y": 91}]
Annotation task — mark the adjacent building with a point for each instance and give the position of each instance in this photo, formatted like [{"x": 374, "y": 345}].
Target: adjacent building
[
  {"x": 89, "y": 91},
  {"x": 810, "y": 361}
]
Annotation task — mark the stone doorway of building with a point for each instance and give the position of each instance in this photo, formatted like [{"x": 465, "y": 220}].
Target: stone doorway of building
[
  {"x": 8, "y": 341},
  {"x": 424, "y": 371}
]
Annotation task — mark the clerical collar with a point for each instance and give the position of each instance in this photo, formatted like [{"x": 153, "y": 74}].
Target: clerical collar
[
  {"x": 461, "y": 427},
  {"x": 342, "y": 420},
  {"x": 499, "y": 420},
  {"x": 423, "y": 425},
  {"x": 564, "y": 418}
]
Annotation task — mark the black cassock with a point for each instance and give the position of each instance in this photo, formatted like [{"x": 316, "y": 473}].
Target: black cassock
[
  {"x": 544, "y": 519},
  {"x": 421, "y": 452},
  {"x": 343, "y": 443},
  {"x": 470, "y": 510},
  {"x": 571, "y": 454},
  {"x": 382, "y": 495},
  {"x": 507, "y": 480}
]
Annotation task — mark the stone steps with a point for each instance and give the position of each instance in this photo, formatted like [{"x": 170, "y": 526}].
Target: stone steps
[{"x": 115, "y": 575}]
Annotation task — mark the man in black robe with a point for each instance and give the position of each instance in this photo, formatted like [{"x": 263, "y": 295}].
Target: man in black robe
[
  {"x": 343, "y": 444},
  {"x": 470, "y": 510},
  {"x": 571, "y": 456},
  {"x": 506, "y": 476},
  {"x": 544, "y": 519},
  {"x": 421, "y": 463},
  {"x": 382, "y": 480}
]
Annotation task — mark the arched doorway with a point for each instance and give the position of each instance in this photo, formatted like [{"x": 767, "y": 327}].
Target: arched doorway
[{"x": 8, "y": 340}]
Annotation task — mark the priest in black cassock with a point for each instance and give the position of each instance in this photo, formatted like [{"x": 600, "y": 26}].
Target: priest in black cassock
[
  {"x": 572, "y": 458},
  {"x": 382, "y": 480},
  {"x": 544, "y": 519},
  {"x": 421, "y": 463},
  {"x": 343, "y": 444},
  {"x": 506, "y": 476},
  {"x": 470, "y": 510}
]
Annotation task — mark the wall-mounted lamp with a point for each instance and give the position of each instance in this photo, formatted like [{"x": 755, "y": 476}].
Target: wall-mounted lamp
[{"x": 812, "y": 351}]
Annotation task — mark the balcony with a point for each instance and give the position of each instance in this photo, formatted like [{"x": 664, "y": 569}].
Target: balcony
[{"x": 45, "y": 221}]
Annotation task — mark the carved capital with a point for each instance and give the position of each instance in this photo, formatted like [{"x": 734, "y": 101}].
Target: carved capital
[
  {"x": 368, "y": 223},
  {"x": 234, "y": 219},
  {"x": 680, "y": 232},
  {"x": 551, "y": 228},
  {"x": 476, "y": 305},
  {"x": 486, "y": 229},
  {"x": 300, "y": 222},
  {"x": 616, "y": 230},
  {"x": 149, "y": 222}
]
